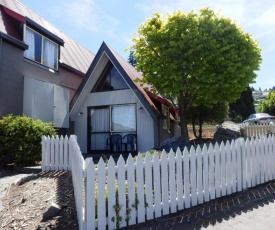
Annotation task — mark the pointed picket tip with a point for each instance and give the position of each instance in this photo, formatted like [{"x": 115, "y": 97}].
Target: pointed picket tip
[
  {"x": 204, "y": 148},
  {"x": 210, "y": 147},
  {"x": 198, "y": 149},
  {"x": 185, "y": 151},
  {"x": 89, "y": 162},
  {"x": 148, "y": 156},
  {"x": 227, "y": 145},
  {"x": 222, "y": 146},
  {"x": 178, "y": 152},
  {"x": 121, "y": 159},
  {"x": 130, "y": 159},
  {"x": 111, "y": 162},
  {"x": 101, "y": 162},
  {"x": 155, "y": 156}
]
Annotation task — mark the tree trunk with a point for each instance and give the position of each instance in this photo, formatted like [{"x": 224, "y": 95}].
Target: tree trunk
[{"x": 182, "y": 108}]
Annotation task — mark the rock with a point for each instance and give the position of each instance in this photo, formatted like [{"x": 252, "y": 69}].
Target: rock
[
  {"x": 25, "y": 179},
  {"x": 174, "y": 143},
  {"x": 53, "y": 211},
  {"x": 228, "y": 131}
]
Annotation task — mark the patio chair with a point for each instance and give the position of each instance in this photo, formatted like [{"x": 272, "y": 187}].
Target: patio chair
[
  {"x": 129, "y": 140},
  {"x": 114, "y": 142}
]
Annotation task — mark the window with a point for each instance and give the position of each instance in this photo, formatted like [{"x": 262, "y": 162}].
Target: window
[
  {"x": 110, "y": 80},
  {"x": 41, "y": 49},
  {"x": 123, "y": 118}
]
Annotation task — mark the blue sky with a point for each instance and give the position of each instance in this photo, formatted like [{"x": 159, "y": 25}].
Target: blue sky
[{"x": 90, "y": 22}]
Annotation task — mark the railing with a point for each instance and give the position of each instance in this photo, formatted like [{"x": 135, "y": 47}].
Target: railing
[{"x": 126, "y": 193}]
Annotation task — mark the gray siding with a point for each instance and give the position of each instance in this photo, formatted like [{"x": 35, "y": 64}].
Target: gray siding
[
  {"x": 11, "y": 80},
  {"x": 14, "y": 67}
]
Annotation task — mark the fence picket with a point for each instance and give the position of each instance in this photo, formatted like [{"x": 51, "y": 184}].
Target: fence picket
[
  {"x": 179, "y": 173},
  {"x": 186, "y": 159},
  {"x": 148, "y": 187},
  {"x": 101, "y": 200},
  {"x": 206, "y": 174},
  {"x": 248, "y": 163},
  {"x": 258, "y": 161},
  {"x": 111, "y": 184},
  {"x": 90, "y": 194},
  {"x": 193, "y": 177},
  {"x": 270, "y": 176},
  {"x": 199, "y": 175},
  {"x": 223, "y": 169},
  {"x": 61, "y": 153},
  {"x": 239, "y": 164},
  {"x": 164, "y": 183},
  {"x": 217, "y": 170},
  {"x": 273, "y": 156},
  {"x": 253, "y": 162},
  {"x": 266, "y": 156},
  {"x": 131, "y": 189},
  {"x": 56, "y": 153},
  {"x": 66, "y": 154},
  {"x": 244, "y": 160},
  {"x": 211, "y": 171},
  {"x": 233, "y": 167},
  {"x": 140, "y": 189},
  {"x": 262, "y": 155},
  {"x": 121, "y": 190},
  {"x": 44, "y": 154},
  {"x": 52, "y": 154},
  {"x": 172, "y": 182},
  {"x": 157, "y": 190},
  {"x": 228, "y": 158}
]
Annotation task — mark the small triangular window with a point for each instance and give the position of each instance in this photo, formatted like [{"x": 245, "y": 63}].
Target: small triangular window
[{"x": 109, "y": 80}]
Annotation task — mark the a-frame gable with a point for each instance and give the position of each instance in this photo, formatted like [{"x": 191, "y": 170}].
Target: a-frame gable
[{"x": 102, "y": 58}]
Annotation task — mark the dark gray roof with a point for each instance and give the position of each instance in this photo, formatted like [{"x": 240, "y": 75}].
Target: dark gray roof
[{"x": 72, "y": 54}]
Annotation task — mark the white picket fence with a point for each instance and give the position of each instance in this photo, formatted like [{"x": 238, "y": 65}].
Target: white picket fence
[
  {"x": 256, "y": 130},
  {"x": 141, "y": 189}
]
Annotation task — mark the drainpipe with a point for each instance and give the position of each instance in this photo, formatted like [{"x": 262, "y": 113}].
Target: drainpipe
[{"x": 1, "y": 42}]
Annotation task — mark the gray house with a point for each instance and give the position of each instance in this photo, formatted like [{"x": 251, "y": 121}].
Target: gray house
[
  {"x": 40, "y": 67},
  {"x": 110, "y": 102}
]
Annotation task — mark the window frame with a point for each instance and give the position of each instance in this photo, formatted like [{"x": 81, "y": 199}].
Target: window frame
[{"x": 42, "y": 48}]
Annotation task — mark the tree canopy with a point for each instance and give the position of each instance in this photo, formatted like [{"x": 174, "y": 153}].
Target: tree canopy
[
  {"x": 201, "y": 59},
  {"x": 268, "y": 105},
  {"x": 243, "y": 107}
]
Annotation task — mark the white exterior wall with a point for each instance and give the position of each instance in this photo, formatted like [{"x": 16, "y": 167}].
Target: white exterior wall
[{"x": 145, "y": 123}]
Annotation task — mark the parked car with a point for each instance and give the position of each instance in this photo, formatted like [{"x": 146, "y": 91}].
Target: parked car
[{"x": 259, "y": 118}]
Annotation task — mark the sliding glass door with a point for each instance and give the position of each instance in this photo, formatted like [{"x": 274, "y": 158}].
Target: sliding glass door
[{"x": 107, "y": 120}]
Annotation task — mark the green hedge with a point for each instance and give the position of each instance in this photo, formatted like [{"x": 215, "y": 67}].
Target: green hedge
[{"x": 20, "y": 139}]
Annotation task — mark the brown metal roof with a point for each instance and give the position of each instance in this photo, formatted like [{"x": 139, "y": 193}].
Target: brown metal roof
[{"x": 71, "y": 54}]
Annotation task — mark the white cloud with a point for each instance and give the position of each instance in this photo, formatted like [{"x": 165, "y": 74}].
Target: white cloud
[{"x": 85, "y": 14}]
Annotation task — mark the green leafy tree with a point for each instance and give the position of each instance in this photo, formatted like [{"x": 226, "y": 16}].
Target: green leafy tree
[
  {"x": 199, "y": 115},
  {"x": 200, "y": 59},
  {"x": 268, "y": 105},
  {"x": 243, "y": 107}
]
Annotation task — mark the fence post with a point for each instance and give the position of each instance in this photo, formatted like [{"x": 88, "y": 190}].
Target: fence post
[{"x": 44, "y": 153}]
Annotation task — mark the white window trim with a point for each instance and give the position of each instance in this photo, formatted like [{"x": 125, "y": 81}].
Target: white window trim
[{"x": 42, "y": 47}]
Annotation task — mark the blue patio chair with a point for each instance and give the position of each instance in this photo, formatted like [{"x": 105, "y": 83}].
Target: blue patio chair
[
  {"x": 114, "y": 141},
  {"x": 129, "y": 140}
]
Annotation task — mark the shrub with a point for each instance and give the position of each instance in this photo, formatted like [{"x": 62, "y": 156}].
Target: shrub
[{"x": 20, "y": 139}]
